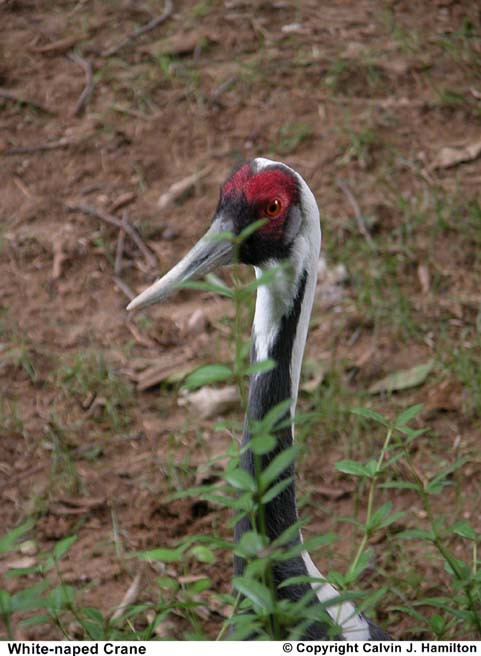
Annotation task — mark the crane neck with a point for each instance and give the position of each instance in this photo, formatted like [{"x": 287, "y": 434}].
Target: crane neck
[
  {"x": 281, "y": 321},
  {"x": 283, "y": 309}
]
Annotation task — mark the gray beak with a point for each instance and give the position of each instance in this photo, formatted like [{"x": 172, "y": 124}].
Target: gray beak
[{"x": 210, "y": 252}]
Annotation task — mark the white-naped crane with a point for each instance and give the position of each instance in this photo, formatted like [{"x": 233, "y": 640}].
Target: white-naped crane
[{"x": 290, "y": 234}]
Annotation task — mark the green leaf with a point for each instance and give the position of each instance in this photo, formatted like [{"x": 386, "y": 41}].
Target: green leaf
[
  {"x": 379, "y": 515},
  {"x": 373, "y": 599},
  {"x": 222, "y": 290},
  {"x": 264, "y": 279},
  {"x": 317, "y": 541},
  {"x": 225, "y": 235},
  {"x": 437, "y": 624},
  {"x": 289, "y": 534},
  {"x": 262, "y": 444},
  {"x": 61, "y": 547},
  {"x": 404, "y": 379},
  {"x": 362, "y": 563},
  {"x": 63, "y": 596},
  {"x": 30, "y": 599},
  {"x": 408, "y": 414},
  {"x": 272, "y": 418},
  {"x": 36, "y": 620},
  {"x": 352, "y": 467},
  {"x": 277, "y": 466},
  {"x": 337, "y": 579},
  {"x": 383, "y": 517},
  {"x": 435, "y": 488},
  {"x": 93, "y": 630},
  {"x": 458, "y": 569},
  {"x": 163, "y": 555},
  {"x": 400, "y": 485},
  {"x": 367, "y": 413},
  {"x": 406, "y": 610},
  {"x": 417, "y": 534},
  {"x": 295, "y": 580},
  {"x": 167, "y": 583},
  {"x": 411, "y": 433},
  {"x": 261, "y": 367},
  {"x": 464, "y": 529},
  {"x": 250, "y": 229},
  {"x": 250, "y": 544},
  {"x": 449, "y": 470},
  {"x": 7, "y": 542},
  {"x": 203, "y": 554},
  {"x": 276, "y": 489},
  {"x": 256, "y": 592},
  {"x": 94, "y": 614},
  {"x": 310, "y": 545},
  {"x": 371, "y": 468},
  {"x": 241, "y": 480},
  {"x": 196, "y": 587},
  {"x": 5, "y": 603},
  {"x": 211, "y": 373}
]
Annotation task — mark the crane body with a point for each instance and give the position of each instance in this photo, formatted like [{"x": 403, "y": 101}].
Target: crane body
[{"x": 291, "y": 237}]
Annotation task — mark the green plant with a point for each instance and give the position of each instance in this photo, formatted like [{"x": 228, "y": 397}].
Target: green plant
[
  {"x": 46, "y": 601},
  {"x": 17, "y": 350},
  {"x": 91, "y": 380},
  {"x": 463, "y": 604},
  {"x": 256, "y": 610}
]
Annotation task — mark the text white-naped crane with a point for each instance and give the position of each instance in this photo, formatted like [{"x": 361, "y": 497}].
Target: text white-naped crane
[{"x": 291, "y": 234}]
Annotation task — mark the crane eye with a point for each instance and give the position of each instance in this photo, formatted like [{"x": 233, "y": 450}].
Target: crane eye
[{"x": 273, "y": 208}]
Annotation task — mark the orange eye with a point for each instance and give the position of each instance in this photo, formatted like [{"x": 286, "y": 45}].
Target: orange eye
[{"x": 273, "y": 208}]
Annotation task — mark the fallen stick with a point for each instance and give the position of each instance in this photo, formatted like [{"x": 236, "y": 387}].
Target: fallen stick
[
  {"x": 10, "y": 95},
  {"x": 124, "y": 288},
  {"x": 178, "y": 188},
  {"x": 41, "y": 147},
  {"x": 59, "y": 47},
  {"x": 89, "y": 82},
  {"x": 89, "y": 210},
  {"x": 119, "y": 251},
  {"x": 130, "y": 596},
  {"x": 141, "y": 339},
  {"x": 148, "y": 27},
  {"x": 343, "y": 186}
]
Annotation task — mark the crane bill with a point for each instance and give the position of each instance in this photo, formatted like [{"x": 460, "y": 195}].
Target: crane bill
[{"x": 208, "y": 254}]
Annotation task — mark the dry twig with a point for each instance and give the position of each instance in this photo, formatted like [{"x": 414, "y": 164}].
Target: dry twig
[
  {"x": 59, "y": 47},
  {"x": 120, "y": 245},
  {"x": 130, "y": 596},
  {"x": 59, "y": 257},
  {"x": 41, "y": 147},
  {"x": 179, "y": 188},
  {"x": 141, "y": 339},
  {"x": 10, "y": 95},
  {"x": 89, "y": 82},
  {"x": 148, "y": 27},
  {"x": 344, "y": 187},
  {"x": 89, "y": 210},
  {"x": 124, "y": 288}
]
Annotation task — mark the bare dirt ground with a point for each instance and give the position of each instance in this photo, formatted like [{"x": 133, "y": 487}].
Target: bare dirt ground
[{"x": 378, "y": 105}]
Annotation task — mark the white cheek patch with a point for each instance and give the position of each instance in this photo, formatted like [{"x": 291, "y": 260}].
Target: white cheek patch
[
  {"x": 273, "y": 302},
  {"x": 293, "y": 224}
]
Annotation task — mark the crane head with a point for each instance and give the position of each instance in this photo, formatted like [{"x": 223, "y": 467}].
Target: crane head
[{"x": 260, "y": 190}]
